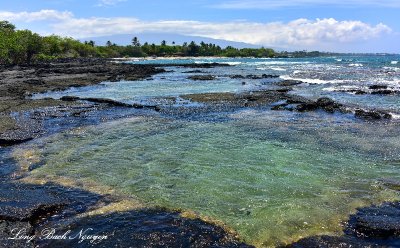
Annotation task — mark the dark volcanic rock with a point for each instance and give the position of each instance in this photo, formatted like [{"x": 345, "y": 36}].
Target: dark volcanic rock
[
  {"x": 377, "y": 87},
  {"x": 148, "y": 228},
  {"x": 109, "y": 102},
  {"x": 34, "y": 81},
  {"x": 383, "y": 92},
  {"x": 371, "y": 114},
  {"x": 9, "y": 141},
  {"x": 377, "y": 221},
  {"x": 69, "y": 98},
  {"x": 325, "y": 101},
  {"x": 263, "y": 76},
  {"x": 329, "y": 105},
  {"x": 237, "y": 76},
  {"x": 374, "y": 226},
  {"x": 308, "y": 106},
  {"x": 34, "y": 203},
  {"x": 280, "y": 107},
  {"x": 289, "y": 83},
  {"x": 8, "y": 228},
  {"x": 355, "y": 91},
  {"x": 202, "y": 77},
  {"x": 24, "y": 130},
  {"x": 26, "y": 202},
  {"x": 373, "y": 89},
  {"x": 360, "y": 92},
  {"x": 193, "y": 71}
]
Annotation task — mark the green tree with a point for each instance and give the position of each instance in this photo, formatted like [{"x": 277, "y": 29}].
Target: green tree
[
  {"x": 135, "y": 42},
  {"x": 193, "y": 49},
  {"x": 5, "y": 25}
]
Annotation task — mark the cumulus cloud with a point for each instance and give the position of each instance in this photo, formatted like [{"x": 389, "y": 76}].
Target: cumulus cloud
[
  {"x": 42, "y": 15},
  {"x": 300, "y": 33},
  {"x": 274, "y": 4}
]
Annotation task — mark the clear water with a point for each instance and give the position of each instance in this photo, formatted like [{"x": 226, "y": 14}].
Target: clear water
[{"x": 273, "y": 176}]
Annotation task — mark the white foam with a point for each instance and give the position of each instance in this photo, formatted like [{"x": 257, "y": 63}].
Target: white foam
[
  {"x": 394, "y": 62},
  {"x": 356, "y": 65},
  {"x": 331, "y": 89},
  {"x": 391, "y": 68},
  {"x": 339, "y": 60},
  {"x": 280, "y": 63},
  {"x": 312, "y": 80},
  {"x": 204, "y": 62},
  {"x": 278, "y": 69},
  {"x": 233, "y": 63},
  {"x": 395, "y": 116}
]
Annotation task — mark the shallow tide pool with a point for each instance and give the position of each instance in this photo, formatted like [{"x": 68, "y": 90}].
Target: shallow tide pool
[{"x": 271, "y": 180}]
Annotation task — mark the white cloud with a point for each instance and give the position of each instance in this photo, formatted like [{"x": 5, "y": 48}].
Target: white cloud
[
  {"x": 42, "y": 15},
  {"x": 299, "y": 34},
  {"x": 274, "y": 4},
  {"x": 109, "y": 2}
]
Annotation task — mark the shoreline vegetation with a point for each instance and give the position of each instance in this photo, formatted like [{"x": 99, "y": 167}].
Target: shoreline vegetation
[{"x": 18, "y": 47}]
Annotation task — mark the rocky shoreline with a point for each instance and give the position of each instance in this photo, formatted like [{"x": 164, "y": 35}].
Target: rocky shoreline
[
  {"x": 33, "y": 207},
  {"x": 28, "y": 209}
]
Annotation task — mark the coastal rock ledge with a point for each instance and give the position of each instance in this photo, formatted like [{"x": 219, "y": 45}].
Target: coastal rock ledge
[{"x": 374, "y": 226}]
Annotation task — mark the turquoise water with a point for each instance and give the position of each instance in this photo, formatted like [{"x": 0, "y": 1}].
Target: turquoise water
[
  {"x": 324, "y": 77},
  {"x": 273, "y": 176}
]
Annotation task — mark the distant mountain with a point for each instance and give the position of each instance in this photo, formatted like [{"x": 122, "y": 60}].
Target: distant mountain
[{"x": 156, "y": 38}]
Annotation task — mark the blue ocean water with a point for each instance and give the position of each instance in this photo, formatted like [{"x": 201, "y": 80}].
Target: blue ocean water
[{"x": 325, "y": 76}]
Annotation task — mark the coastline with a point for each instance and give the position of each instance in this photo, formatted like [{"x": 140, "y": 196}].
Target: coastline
[
  {"x": 74, "y": 75},
  {"x": 46, "y": 206}
]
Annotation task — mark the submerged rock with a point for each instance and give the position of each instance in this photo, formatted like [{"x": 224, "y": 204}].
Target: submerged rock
[
  {"x": 263, "y": 76},
  {"x": 391, "y": 183},
  {"x": 193, "y": 71},
  {"x": 109, "y": 102},
  {"x": 326, "y": 241},
  {"x": 289, "y": 83},
  {"x": 202, "y": 77}
]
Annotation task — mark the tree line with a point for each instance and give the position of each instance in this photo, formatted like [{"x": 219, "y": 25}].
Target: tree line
[{"x": 25, "y": 47}]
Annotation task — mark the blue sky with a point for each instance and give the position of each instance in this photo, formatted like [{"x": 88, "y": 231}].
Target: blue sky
[{"x": 328, "y": 25}]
